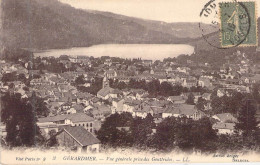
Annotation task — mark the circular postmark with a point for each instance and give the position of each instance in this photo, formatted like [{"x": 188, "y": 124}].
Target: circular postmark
[{"x": 224, "y": 24}]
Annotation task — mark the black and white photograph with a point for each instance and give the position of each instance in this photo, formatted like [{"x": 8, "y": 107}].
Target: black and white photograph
[{"x": 129, "y": 81}]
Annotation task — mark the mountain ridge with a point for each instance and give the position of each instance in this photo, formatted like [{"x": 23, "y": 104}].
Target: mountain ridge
[{"x": 51, "y": 24}]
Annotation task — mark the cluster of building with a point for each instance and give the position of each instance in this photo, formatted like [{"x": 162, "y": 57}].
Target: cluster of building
[{"x": 76, "y": 115}]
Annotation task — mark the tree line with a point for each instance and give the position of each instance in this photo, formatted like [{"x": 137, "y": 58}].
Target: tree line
[
  {"x": 154, "y": 87},
  {"x": 171, "y": 133}
]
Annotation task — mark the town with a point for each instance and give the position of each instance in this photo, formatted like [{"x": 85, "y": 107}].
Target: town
[{"x": 86, "y": 103}]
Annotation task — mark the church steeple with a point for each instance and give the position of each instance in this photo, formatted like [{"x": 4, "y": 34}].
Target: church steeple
[{"x": 105, "y": 82}]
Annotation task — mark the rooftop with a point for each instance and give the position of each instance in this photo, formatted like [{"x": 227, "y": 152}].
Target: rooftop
[
  {"x": 81, "y": 135},
  {"x": 176, "y": 98},
  {"x": 220, "y": 125},
  {"x": 225, "y": 117},
  {"x": 107, "y": 90},
  {"x": 76, "y": 117}
]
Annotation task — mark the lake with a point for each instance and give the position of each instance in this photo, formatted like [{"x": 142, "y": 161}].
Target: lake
[{"x": 144, "y": 51}]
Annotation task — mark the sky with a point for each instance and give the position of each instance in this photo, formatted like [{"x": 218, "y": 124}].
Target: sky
[{"x": 161, "y": 10}]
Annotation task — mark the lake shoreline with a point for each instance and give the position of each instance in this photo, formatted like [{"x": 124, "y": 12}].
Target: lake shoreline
[{"x": 145, "y": 51}]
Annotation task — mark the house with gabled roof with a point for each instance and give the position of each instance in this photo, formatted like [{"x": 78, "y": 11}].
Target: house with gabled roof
[
  {"x": 224, "y": 128},
  {"x": 108, "y": 62},
  {"x": 78, "y": 138},
  {"x": 83, "y": 97},
  {"x": 77, "y": 108},
  {"x": 129, "y": 105},
  {"x": 100, "y": 111},
  {"x": 110, "y": 74},
  {"x": 204, "y": 82},
  {"x": 189, "y": 82},
  {"x": 142, "y": 111},
  {"x": 255, "y": 78},
  {"x": 65, "y": 106},
  {"x": 117, "y": 105},
  {"x": 68, "y": 76},
  {"x": 18, "y": 84},
  {"x": 206, "y": 96},
  {"x": 95, "y": 100},
  {"x": 107, "y": 92},
  {"x": 58, "y": 81},
  {"x": 65, "y": 61},
  {"x": 47, "y": 127},
  {"x": 190, "y": 111},
  {"x": 176, "y": 99},
  {"x": 221, "y": 92},
  {"x": 183, "y": 69},
  {"x": 39, "y": 81},
  {"x": 147, "y": 62},
  {"x": 131, "y": 95},
  {"x": 171, "y": 111}
]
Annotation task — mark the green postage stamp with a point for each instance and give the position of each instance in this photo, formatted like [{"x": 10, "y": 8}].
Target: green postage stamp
[{"x": 238, "y": 24}]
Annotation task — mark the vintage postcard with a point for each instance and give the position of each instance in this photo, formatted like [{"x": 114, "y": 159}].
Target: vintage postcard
[{"x": 129, "y": 81}]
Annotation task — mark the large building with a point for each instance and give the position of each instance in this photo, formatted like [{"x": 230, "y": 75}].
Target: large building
[{"x": 76, "y": 119}]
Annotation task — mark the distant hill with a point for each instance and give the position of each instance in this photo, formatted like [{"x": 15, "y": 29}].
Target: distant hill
[
  {"x": 202, "y": 45},
  {"x": 180, "y": 29},
  {"x": 45, "y": 24}
]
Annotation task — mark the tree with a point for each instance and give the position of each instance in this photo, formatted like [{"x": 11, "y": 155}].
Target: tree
[
  {"x": 38, "y": 105},
  {"x": 25, "y": 88},
  {"x": 14, "y": 54},
  {"x": 183, "y": 137},
  {"x": 227, "y": 143},
  {"x": 18, "y": 116},
  {"x": 35, "y": 76},
  {"x": 201, "y": 104},
  {"x": 217, "y": 105},
  {"x": 132, "y": 83},
  {"x": 21, "y": 77},
  {"x": 11, "y": 85},
  {"x": 41, "y": 67},
  {"x": 7, "y": 77},
  {"x": 52, "y": 141},
  {"x": 141, "y": 129},
  {"x": 197, "y": 89},
  {"x": 233, "y": 103},
  {"x": 203, "y": 135},
  {"x": 186, "y": 134},
  {"x": 55, "y": 66},
  {"x": 117, "y": 84},
  {"x": 165, "y": 89},
  {"x": 80, "y": 80},
  {"x": 190, "y": 99},
  {"x": 256, "y": 94},
  {"x": 177, "y": 90},
  {"x": 154, "y": 87},
  {"x": 111, "y": 83},
  {"x": 247, "y": 123},
  {"x": 110, "y": 135},
  {"x": 121, "y": 85},
  {"x": 164, "y": 137},
  {"x": 227, "y": 104}
]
